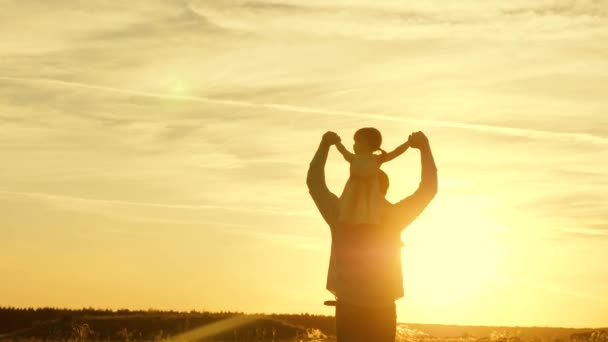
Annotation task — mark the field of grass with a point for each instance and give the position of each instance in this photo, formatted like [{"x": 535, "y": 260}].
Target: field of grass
[{"x": 49, "y": 324}]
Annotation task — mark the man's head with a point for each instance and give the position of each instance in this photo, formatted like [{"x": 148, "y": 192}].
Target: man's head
[{"x": 384, "y": 182}]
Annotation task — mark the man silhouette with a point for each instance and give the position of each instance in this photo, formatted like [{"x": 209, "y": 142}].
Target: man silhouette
[{"x": 365, "y": 263}]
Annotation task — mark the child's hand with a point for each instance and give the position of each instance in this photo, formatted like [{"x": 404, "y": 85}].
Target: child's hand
[
  {"x": 418, "y": 140},
  {"x": 330, "y": 138}
]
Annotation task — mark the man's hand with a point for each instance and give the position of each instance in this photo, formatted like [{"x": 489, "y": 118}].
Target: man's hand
[
  {"x": 330, "y": 138},
  {"x": 418, "y": 140}
]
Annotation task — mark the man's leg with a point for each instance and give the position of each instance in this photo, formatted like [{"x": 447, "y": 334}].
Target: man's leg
[
  {"x": 382, "y": 323},
  {"x": 365, "y": 324},
  {"x": 350, "y": 323}
]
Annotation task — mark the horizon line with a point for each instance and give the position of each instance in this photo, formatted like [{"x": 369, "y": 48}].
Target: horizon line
[{"x": 192, "y": 311}]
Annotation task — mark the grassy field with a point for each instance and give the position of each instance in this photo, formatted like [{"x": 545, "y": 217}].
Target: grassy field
[{"x": 49, "y": 324}]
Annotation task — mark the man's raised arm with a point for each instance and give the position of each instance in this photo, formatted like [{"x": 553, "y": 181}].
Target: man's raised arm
[
  {"x": 409, "y": 208},
  {"x": 325, "y": 200}
]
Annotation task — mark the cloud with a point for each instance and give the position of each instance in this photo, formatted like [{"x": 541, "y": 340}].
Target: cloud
[
  {"x": 556, "y": 85},
  {"x": 563, "y": 7},
  {"x": 262, "y": 224},
  {"x": 275, "y": 6},
  {"x": 79, "y": 202},
  {"x": 177, "y": 131},
  {"x": 182, "y": 23},
  {"x": 592, "y": 231},
  {"x": 578, "y": 213},
  {"x": 396, "y": 21},
  {"x": 39, "y": 27},
  {"x": 276, "y": 107}
]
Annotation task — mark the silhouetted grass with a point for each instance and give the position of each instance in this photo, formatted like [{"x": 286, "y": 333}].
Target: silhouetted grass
[{"x": 53, "y": 324}]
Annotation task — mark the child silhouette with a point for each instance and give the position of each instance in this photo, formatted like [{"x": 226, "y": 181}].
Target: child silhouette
[{"x": 362, "y": 200}]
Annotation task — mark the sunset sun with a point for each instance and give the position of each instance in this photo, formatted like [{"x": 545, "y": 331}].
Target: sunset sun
[{"x": 451, "y": 264}]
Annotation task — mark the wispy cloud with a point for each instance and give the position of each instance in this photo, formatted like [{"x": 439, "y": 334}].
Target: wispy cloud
[
  {"x": 319, "y": 111},
  {"x": 579, "y": 212},
  {"x": 598, "y": 231},
  {"x": 180, "y": 23},
  {"x": 570, "y": 8},
  {"x": 90, "y": 201},
  {"x": 412, "y": 20},
  {"x": 238, "y": 222}
]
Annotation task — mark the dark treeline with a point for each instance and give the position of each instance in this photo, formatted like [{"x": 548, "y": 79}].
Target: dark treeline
[
  {"x": 12, "y": 319},
  {"x": 146, "y": 325}
]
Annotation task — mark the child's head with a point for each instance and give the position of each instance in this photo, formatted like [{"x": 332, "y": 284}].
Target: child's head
[{"x": 367, "y": 140}]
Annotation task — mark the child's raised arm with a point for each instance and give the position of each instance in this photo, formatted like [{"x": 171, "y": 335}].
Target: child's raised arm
[
  {"x": 348, "y": 156},
  {"x": 396, "y": 152}
]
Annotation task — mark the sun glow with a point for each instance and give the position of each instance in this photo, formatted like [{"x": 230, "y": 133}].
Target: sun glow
[{"x": 454, "y": 256}]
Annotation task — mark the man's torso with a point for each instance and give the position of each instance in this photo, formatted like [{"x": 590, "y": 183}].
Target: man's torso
[{"x": 365, "y": 264}]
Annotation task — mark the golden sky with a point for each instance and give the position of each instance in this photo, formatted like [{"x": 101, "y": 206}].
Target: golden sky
[{"x": 154, "y": 152}]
